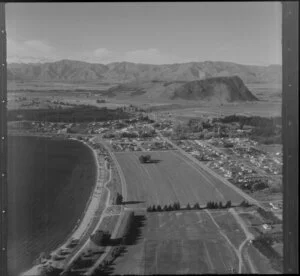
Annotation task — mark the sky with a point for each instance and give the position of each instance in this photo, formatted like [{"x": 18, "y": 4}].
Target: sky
[{"x": 153, "y": 33}]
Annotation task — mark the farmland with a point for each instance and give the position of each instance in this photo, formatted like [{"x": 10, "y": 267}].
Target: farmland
[
  {"x": 179, "y": 242},
  {"x": 165, "y": 180}
]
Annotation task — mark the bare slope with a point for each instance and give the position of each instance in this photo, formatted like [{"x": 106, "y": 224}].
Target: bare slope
[
  {"x": 74, "y": 71},
  {"x": 222, "y": 89},
  {"x": 219, "y": 90}
]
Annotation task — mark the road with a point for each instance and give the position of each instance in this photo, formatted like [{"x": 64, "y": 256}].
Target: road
[
  {"x": 84, "y": 246},
  {"x": 249, "y": 237},
  {"x": 225, "y": 181},
  {"x": 116, "y": 229},
  {"x": 107, "y": 205}
]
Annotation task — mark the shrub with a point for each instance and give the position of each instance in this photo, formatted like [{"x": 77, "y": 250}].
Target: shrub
[
  {"x": 119, "y": 199},
  {"x": 145, "y": 158},
  {"x": 245, "y": 203},
  {"x": 101, "y": 237}
]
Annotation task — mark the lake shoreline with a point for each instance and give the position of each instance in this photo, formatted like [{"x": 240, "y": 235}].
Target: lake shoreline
[{"x": 83, "y": 213}]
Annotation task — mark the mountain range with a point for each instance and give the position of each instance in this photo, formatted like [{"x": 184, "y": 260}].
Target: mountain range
[{"x": 122, "y": 72}]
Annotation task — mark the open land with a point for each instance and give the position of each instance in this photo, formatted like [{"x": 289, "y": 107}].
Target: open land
[
  {"x": 190, "y": 162},
  {"x": 183, "y": 242},
  {"x": 165, "y": 181}
]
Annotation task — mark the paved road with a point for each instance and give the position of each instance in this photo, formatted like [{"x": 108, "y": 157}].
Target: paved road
[
  {"x": 114, "y": 233},
  {"x": 225, "y": 181},
  {"x": 84, "y": 246},
  {"x": 116, "y": 229}
]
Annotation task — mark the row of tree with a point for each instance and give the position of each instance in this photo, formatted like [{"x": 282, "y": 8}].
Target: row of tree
[
  {"x": 171, "y": 207},
  {"x": 216, "y": 205},
  {"x": 210, "y": 205}
]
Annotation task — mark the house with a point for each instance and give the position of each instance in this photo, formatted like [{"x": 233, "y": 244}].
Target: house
[
  {"x": 273, "y": 206},
  {"x": 266, "y": 226}
]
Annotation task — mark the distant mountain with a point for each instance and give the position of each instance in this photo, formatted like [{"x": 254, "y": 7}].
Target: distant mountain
[
  {"x": 77, "y": 71},
  {"x": 217, "y": 90}
]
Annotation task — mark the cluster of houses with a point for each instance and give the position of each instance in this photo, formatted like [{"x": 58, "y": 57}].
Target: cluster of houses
[
  {"x": 121, "y": 145},
  {"x": 134, "y": 130},
  {"x": 155, "y": 143},
  {"x": 246, "y": 149},
  {"x": 240, "y": 175},
  {"x": 199, "y": 150},
  {"x": 229, "y": 166},
  {"x": 49, "y": 127},
  {"x": 140, "y": 144}
]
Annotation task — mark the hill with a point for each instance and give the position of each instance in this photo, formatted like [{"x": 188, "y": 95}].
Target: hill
[
  {"x": 218, "y": 89},
  {"x": 77, "y": 71}
]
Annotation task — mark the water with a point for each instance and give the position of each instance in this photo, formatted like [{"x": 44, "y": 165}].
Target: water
[{"x": 49, "y": 183}]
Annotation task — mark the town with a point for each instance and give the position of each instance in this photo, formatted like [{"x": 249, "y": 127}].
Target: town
[{"x": 222, "y": 147}]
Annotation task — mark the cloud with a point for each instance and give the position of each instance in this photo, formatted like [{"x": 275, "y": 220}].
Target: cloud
[
  {"x": 30, "y": 51},
  {"x": 105, "y": 56},
  {"x": 151, "y": 56},
  {"x": 103, "y": 53}
]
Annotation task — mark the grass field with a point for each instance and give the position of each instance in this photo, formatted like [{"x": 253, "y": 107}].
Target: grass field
[
  {"x": 230, "y": 227},
  {"x": 171, "y": 178},
  {"x": 178, "y": 242}
]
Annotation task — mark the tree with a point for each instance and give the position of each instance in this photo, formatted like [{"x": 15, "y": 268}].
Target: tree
[
  {"x": 119, "y": 199},
  {"x": 145, "y": 158},
  {"x": 220, "y": 205},
  {"x": 159, "y": 208},
  {"x": 245, "y": 204},
  {"x": 197, "y": 206},
  {"x": 228, "y": 204},
  {"x": 101, "y": 237},
  {"x": 165, "y": 208},
  {"x": 188, "y": 207}
]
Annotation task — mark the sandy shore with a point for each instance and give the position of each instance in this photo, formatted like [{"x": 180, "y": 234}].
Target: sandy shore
[{"x": 91, "y": 208}]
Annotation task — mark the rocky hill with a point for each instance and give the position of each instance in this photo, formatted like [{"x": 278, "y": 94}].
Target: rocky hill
[
  {"x": 217, "y": 90},
  {"x": 77, "y": 71}
]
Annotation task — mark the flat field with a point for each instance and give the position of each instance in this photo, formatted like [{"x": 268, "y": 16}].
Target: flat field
[
  {"x": 186, "y": 242},
  {"x": 171, "y": 177}
]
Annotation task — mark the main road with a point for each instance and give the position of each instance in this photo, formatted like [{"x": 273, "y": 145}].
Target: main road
[{"x": 225, "y": 181}]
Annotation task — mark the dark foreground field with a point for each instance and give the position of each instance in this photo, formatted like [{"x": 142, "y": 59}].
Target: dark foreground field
[
  {"x": 178, "y": 243},
  {"x": 188, "y": 242},
  {"x": 50, "y": 182},
  {"x": 171, "y": 178}
]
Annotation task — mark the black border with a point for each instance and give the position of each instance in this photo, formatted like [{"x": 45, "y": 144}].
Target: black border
[
  {"x": 290, "y": 113},
  {"x": 3, "y": 143},
  {"x": 290, "y": 132}
]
